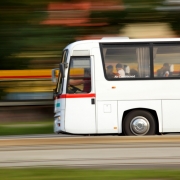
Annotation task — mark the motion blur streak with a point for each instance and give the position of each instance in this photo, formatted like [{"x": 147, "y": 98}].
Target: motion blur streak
[
  {"x": 34, "y": 33},
  {"x": 103, "y": 152}
]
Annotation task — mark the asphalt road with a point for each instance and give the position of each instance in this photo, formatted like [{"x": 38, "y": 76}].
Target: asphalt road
[{"x": 91, "y": 152}]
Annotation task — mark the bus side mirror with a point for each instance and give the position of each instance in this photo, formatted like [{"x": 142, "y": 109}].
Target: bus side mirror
[
  {"x": 54, "y": 93},
  {"x": 62, "y": 70},
  {"x": 54, "y": 79}
]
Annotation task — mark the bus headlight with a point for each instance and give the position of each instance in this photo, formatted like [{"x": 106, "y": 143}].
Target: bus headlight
[
  {"x": 58, "y": 118},
  {"x": 58, "y": 121}
]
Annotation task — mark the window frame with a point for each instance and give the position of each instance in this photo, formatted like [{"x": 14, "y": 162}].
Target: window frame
[
  {"x": 77, "y": 77},
  {"x": 151, "y": 45},
  {"x": 60, "y": 82},
  {"x": 165, "y": 44},
  {"x": 128, "y": 44}
]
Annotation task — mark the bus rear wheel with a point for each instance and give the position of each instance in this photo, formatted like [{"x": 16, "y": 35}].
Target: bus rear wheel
[{"x": 139, "y": 123}]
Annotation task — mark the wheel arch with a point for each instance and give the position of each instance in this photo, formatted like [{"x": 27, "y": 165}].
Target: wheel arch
[{"x": 152, "y": 111}]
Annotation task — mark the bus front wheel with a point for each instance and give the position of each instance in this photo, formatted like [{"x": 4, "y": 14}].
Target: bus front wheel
[{"x": 139, "y": 123}]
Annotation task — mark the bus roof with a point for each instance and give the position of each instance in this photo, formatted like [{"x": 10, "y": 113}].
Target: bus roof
[{"x": 122, "y": 39}]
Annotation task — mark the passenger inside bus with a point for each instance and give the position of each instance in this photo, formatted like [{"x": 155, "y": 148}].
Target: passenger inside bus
[
  {"x": 164, "y": 71},
  {"x": 85, "y": 82},
  {"x": 109, "y": 72},
  {"x": 120, "y": 70},
  {"x": 134, "y": 73},
  {"x": 126, "y": 70}
]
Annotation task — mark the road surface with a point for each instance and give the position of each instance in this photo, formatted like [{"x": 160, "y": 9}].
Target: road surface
[{"x": 91, "y": 152}]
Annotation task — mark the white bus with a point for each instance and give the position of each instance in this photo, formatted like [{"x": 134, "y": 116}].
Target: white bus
[{"x": 118, "y": 86}]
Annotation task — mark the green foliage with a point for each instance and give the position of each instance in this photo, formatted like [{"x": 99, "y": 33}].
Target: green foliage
[
  {"x": 25, "y": 128},
  {"x": 85, "y": 174},
  {"x": 114, "y": 20},
  {"x": 153, "y": 11},
  {"x": 174, "y": 19},
  {"x": 15, "y": 16},
  {"x": 21, "y": 30},
  {"x": 142, "y": 11},
  {"x": 142, "y": 2}
]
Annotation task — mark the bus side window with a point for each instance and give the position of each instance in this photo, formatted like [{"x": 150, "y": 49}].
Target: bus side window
[
  {"x": 129, "y": 61},
  {"x": 166, "y": 60}
]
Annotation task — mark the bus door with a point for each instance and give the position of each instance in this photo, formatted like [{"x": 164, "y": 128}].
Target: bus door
[{"x": 80, "y": 97}]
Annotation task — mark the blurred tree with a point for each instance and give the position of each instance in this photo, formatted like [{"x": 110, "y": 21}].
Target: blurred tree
[
  {"x": 174, "y": 18},
  {"x": 26, "y": 42},
  {"x": 15, "y": 16},
  {"x": 142, "y": 11},
  {"x": 171, "y": 11},
  {"x": 21, "y": 30},
  {"x": 114, "y": 20}
]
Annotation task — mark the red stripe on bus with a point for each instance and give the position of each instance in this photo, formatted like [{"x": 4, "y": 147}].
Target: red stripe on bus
[{"x": 76, "y": 96}]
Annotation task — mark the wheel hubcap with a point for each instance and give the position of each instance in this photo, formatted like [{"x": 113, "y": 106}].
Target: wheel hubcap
[{"x": 139, "y": 125}]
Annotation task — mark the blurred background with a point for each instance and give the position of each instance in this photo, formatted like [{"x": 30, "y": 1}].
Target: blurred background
[{"x": 33, "y": 34}]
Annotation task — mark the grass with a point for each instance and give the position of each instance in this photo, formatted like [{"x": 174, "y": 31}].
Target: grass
[
  {"x": 78, "y": 174},
  {"x": 26, "y": 128}
]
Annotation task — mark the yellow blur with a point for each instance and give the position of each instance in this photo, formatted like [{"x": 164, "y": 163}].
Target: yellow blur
[{"x": 37, "y": 73}]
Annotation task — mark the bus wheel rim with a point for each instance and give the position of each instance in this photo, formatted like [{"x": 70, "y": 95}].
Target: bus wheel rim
[{"x": 139, "y": 125}]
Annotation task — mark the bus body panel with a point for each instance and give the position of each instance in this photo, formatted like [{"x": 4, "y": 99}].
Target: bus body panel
[
  {"x": 138, "y": 90},
  {"x": 81, "y": 117},
  {"x": 171, "y": 115},
  {"x": 107, "y": 121}
]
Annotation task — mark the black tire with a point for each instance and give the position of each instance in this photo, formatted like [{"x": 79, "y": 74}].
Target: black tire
[{"x": 131, "y": 117}]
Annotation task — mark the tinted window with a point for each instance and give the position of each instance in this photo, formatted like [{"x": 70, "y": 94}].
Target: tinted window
[
  {"x": 79, "y": 79},
  {"x": 126, "y": 61},
  {"x": 166, "y": 61}
]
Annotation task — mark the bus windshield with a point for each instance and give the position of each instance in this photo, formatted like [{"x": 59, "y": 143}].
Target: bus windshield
[{"x": 59, "y": 86}]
